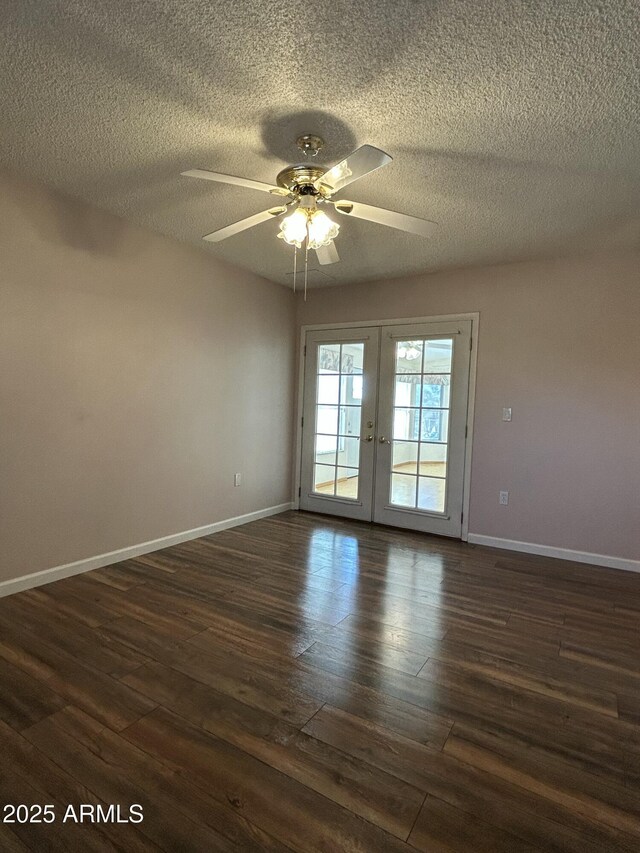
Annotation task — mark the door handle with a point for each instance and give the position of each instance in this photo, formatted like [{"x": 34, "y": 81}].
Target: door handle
[
  {"x": 384, "y": 440},
  {"x": 368, "y": 438}
]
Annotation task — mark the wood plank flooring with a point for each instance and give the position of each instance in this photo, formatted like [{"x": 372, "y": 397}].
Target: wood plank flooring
[{"x": 304, "y": 683}]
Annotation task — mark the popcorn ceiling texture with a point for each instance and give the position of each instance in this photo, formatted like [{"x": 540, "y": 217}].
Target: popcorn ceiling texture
[{"x": 513, "y": 123}]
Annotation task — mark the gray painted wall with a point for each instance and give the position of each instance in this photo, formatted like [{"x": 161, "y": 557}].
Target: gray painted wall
[{"x": 136, "y": 376}]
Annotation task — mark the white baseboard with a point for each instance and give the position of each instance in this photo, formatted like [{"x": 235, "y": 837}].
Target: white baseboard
[
  {"x": 8, "y": 587},
  {"x": 559, "y": 553}
]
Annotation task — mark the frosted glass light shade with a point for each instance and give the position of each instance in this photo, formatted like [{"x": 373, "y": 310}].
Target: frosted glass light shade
[
  {"x": 322, "y": 230},
  {"x": 293, "y": 229}
]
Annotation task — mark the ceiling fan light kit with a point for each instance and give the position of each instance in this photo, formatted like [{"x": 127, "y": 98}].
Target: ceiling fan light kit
[
  {"x": 306, "y": 186},
  {"x": 308, "y": 224}
]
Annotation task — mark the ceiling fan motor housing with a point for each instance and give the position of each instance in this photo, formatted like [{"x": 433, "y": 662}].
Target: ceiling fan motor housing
[{"x": 300, "y": 179}]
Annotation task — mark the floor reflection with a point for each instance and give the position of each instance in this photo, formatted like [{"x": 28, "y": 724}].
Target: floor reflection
[
  {"x": 334, "y": 556},
  {"x": 413, "y": 586},
  {"x": 374, "y": 613}
]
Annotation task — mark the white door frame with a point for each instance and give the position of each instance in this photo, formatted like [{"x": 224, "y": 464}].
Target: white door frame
[{"x": 474, "y": 316}]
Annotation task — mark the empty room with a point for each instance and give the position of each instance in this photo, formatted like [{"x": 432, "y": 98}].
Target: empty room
[{"x": 320, "y": 426}]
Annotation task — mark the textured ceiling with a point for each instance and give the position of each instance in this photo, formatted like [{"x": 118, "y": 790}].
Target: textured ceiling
[{"x": 513, "y": 123}]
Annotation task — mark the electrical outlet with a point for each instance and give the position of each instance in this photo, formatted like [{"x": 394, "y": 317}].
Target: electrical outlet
[
  {"x": 237, "y": 479},
  {"x": 504, "y": 498},
  {"x": 506, "y": 414}
]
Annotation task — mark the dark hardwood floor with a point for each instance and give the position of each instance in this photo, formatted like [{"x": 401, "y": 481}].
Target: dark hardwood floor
[{"x": 304, "y": 683}]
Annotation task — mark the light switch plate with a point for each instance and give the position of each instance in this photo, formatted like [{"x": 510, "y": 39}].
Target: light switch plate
[{"x": 506, "y": 414}]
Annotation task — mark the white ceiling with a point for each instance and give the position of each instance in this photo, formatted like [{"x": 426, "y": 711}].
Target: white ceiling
[{"x": 515, "y": 124}]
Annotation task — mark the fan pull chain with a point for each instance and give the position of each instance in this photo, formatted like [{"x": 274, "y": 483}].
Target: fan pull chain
[
  {"x": 306, "y": 261},
  {"x": 295, "y": 264}
]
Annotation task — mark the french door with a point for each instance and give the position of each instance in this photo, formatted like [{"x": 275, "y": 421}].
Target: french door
[{"x": 385, "y": 422}]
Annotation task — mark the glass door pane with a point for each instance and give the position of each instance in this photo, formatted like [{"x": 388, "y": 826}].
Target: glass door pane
[
  {"x": 422, "y": 379},
  {"x": 337, "y": 422}
]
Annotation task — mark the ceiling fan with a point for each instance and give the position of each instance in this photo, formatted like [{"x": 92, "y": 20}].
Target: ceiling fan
[{"x": 307, "y": 188}]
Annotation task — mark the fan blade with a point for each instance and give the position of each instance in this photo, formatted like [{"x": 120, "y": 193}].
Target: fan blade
[
  {"x": 249, "y": 222},
  {"x": 364, "y": 160},
  {"x": 231, "y": 179},
  {"x": 328, "y": 254},
  {"x": 421, "y": 227}
]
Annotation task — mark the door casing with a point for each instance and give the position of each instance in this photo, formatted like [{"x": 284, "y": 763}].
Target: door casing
[{"x": 474, "y": 317}]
